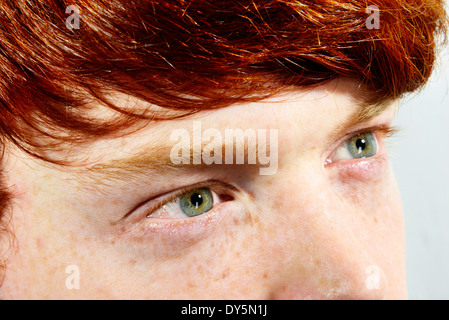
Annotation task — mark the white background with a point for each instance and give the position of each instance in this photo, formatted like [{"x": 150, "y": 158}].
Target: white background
[{"x": 420, "y": 157}]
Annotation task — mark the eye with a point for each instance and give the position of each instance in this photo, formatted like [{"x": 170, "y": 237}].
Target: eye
[
  {"x": 362, "y": 145},
  {"x": 196, "y": 202},
  {"x": 187, "y": 203}
]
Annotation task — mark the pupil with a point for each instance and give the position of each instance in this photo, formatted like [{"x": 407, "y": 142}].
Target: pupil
[
  {"x": 196, "y": 199},
  {"x": 360, "y": 144}
]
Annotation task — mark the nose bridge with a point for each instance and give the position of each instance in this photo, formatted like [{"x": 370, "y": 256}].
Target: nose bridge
[{"x": 326, "y": 261}]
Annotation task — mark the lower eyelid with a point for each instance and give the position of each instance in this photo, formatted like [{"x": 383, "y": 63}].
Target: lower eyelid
[
  {"x": 363, "y": 169},
  {"x": 144, "y": 209},
  {"x": 166, "y": 210},
  {"x": 367, "y": 169},
  {"x": 178, "y": 234},
  {"x": 187, "y": 224},
  {"x": 380, "y": 134}
]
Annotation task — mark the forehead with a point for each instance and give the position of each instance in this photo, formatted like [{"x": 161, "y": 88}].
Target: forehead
[
  {"x": 334, "y": 106},
  {"x": 336, "y": 102},
  {"x": 341, "y": 91}
]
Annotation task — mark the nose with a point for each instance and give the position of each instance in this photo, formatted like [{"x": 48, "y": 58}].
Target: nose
[
  {"x": 338, "y": 269},
  {"x": 328, "y": 256}
]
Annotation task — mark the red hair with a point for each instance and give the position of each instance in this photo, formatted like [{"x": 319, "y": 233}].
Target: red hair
[{"x": 191, "y": 55}]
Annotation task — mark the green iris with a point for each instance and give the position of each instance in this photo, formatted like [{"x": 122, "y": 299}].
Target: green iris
[
  {"x": 363, "y": 145},
  {"x": 196, "y": 202}
]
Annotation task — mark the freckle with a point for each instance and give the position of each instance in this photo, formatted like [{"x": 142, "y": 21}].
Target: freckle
[
  {"x": 375, "y": 220},
  {"x": 39, "y": 244},
  {"x": 249, "y": 219},
  {"x": 116, "y": 202},
  {"x": 265, "y": 275},
  {"x": 225, "y": 274},
  {"x": 132, "y": 262},
  {"x": 255, "y": 218}
]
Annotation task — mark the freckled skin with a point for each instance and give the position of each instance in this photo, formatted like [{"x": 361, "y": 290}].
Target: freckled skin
[{"x": 308, "y": 232}]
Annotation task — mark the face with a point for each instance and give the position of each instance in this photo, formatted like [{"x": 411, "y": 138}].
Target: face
[{"x": 130, "y": 219}]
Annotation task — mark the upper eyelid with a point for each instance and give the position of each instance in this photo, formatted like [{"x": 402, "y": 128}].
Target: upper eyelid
[
  {"x": 373, "y": 129},
  {"x": 385, "y": 129},
  {"x": 171, "y": 196},
  {"x": 211, "y": 185},
  {"x": 224, "y": 187}
]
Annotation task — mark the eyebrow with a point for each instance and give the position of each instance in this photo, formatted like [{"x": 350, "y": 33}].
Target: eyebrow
[
  {"x": 151, "y": 159},
  {"x": 155, "y": 159},
  {"x": 363, "y": 113}
]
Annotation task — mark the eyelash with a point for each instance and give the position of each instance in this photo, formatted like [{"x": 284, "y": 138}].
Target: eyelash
[
  {"x": 222, "y": 189},
  {"x": 225, "y": 191},
  {"x": 380, "y": 132},
  {"x": 384, "y": 131}
]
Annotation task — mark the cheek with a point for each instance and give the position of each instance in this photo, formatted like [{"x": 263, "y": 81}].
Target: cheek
[
  {"x": 376, "y": 218},
  {"x": 375, "y": 208},
  {"x": 367, "y": 184},
  {"x": 369, "y": 191}
]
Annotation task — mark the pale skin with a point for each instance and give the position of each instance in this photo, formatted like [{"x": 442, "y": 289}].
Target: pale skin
[{"x": 320, "y": 228}]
